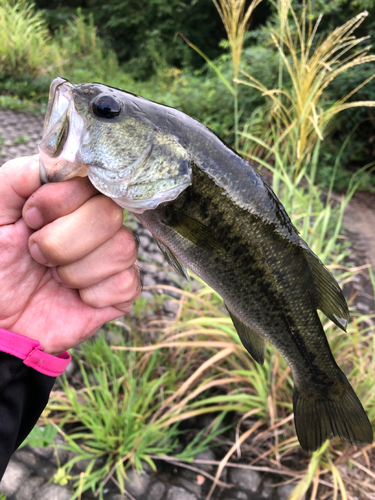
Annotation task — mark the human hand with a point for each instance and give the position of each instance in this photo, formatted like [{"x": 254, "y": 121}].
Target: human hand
[{"x": 67, "y": 264}]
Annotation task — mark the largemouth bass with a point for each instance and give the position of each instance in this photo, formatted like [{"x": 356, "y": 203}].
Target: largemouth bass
[{"x": 211, "y": 211}]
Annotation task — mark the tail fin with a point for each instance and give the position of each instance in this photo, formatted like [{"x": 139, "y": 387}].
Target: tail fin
[{"x": 320, "y": 418}]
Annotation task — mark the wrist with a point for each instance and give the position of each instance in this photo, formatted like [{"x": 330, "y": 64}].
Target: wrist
[{"x": 32, "y": 354}]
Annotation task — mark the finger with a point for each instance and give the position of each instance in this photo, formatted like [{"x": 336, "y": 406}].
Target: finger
[
  {"x": 119, "y": 290},
  {"x": 19, "y": 178},
  {"x": 54, "y": 200},
  {"x": 112, "y": 257},
  {"x": 73, "y": 236}
]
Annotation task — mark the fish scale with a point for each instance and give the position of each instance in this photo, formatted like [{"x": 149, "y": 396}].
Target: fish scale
[{"x": 211, "y": 211}]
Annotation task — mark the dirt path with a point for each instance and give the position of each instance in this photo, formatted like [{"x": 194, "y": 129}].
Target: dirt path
[{"x": 359, "y": 224}]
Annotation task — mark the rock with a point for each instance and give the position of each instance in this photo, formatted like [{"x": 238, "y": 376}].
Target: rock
[
  {"x": 189, "y": 484},
  {"x": 267, "y": 488},
  {"x": 147, "y": 295},
  {"x": 26, "y": 457},
  {"x": 29, "y": 488},
  {"x": 245, "y": 478},
  {"x": 156, "y": 491},
  {"x": 170, "y": 307},
  {"x": 148, "y": 280},
  {"x": 144, "y": 241},
  {"x": 71, "y": 368},
  {"x": 241, "y": 495},
  {"x": 54, "y": 492},
  {"x": 176, "y": 493},
  {"x": 46, "y": 470},
  {"x": 15, "y": 475},
  {"x": 63, "y": 456},
  {"x": 158, "y": 257},
  {"x": 208, "y": 455},
  {"x": 138, "y": 482},
  {"x": 363, "y": 307},
  {"x": 285, "y": 490},
  {"x": 44, "y": 451}
]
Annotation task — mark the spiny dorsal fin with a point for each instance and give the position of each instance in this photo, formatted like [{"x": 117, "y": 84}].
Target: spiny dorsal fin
[
  {"x": 252, "y": 340},
  {"x": 173, "y": 260},
  {"x": 330, "y": 297}
]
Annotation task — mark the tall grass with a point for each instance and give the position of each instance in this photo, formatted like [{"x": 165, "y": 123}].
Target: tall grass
[
  {"x": 236, "y": 22},
  {"x": 83, "y": 56},
  {"x": 25, "y": 43},
  {"x": 300, "y": 116}
]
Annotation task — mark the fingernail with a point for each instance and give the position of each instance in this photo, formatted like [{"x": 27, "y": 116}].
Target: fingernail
[
  {"x": 33, "y": 218},
  {"x": 37, "y": 255}
]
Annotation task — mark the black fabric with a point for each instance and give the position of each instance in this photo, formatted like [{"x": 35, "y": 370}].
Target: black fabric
[{"x": 24, "y": 393}]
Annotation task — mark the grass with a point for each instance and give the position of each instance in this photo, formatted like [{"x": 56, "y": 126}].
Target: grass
[
  {"x": 299, "y": 117},
  {"x": 123, "y": 412},
  {"x": 19, "y": 22}
]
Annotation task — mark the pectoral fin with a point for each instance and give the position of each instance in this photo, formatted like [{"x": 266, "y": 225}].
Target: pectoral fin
[
  {"x": 173, "y": 260},
  {"x": 252, "y": 340},
  {"x": 193, "y": 230},
  {"x": 330, "y": 298}
]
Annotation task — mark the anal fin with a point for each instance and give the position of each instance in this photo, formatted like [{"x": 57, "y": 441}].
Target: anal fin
[
  {"x": 255, "y": 343},
  {"x": 330, "y": 298}
]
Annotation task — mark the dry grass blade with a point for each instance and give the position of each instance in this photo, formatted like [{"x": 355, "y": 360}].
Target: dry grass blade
[
  {"x": 236, "y": 21},
  {"x": 184, "y": 387},
  {"x": 224, "y": 461},
  {"x": 179, "y": 463}
]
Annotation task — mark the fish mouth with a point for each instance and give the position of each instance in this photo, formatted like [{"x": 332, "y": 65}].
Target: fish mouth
[{"x": 63, "y": 130}]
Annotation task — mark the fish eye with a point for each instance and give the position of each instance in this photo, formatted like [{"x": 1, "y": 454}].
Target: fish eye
[{"x": 105, "y": 106}]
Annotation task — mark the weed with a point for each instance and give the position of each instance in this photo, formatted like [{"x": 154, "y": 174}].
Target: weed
[
  {"x": 18, "y": 19},
  {"x": 124, "y": 412},
  {"x": 41, "y": 436},
  {"x": 22, "y": 139}
]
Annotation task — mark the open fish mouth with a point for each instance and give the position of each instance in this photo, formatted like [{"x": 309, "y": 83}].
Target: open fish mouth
[{"x": 62, "y": 136}]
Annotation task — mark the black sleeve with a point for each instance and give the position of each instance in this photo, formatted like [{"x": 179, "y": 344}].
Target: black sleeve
[{"x": 24, "y": 393}]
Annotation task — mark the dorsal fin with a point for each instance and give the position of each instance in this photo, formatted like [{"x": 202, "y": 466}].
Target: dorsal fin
[
  {"x": 330, "y": 299},
  {"x": 252, "y": 340}
]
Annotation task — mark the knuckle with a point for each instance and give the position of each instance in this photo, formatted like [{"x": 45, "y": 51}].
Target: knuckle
[
  {"x": 51, "y": 247},
  {"x": 130, "y": 282},
  {"x": 90, "y": 298},
  {"x": 126, "y": 244},
  {"x": 113, "y": 212},
  {"x": 68, "y": 276}
]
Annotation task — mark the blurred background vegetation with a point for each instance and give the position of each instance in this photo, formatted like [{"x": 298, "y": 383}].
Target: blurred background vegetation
[
  {"x": 136, "y": 46},
  {"x": 293, "y": 91}
]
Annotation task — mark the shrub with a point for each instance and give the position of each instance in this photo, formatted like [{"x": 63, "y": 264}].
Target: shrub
[{"x": 25, "y": 43}]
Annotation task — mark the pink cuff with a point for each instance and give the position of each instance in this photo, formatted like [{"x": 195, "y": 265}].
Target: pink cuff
[{"x": 32, "y": 354}]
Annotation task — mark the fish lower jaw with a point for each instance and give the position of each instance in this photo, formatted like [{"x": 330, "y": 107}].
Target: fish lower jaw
[
  {"x": 58, "y": 169},
  {"x": 121, "y": 193}
]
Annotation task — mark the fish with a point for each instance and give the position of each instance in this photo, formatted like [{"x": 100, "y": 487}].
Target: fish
[{"x": 210, "y": 210}]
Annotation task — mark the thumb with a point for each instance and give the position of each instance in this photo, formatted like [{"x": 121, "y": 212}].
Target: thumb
[{"x": 19, "y": 178}]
